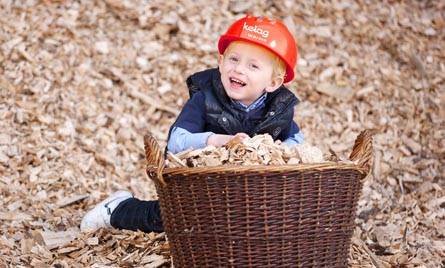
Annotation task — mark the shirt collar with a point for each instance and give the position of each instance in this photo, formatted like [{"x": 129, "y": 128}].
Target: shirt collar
[{"x": 252, "y": 106}]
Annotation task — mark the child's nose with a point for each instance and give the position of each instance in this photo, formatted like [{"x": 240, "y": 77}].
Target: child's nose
[{"x": 239, "y": 68}]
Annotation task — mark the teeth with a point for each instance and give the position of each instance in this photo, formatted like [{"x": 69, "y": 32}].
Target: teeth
[{"x": 238, "y": 81}]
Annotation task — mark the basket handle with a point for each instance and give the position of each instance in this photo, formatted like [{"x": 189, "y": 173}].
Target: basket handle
[
  {"x": 154, "y": 158},
  {"x": 362, "y": 150}
]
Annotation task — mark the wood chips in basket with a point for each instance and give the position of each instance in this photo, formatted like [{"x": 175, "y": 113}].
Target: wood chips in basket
[{"x": 259, "y": 150}]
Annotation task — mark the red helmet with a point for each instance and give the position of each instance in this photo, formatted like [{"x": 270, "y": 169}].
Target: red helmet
[{"x": 270, "y": 34}]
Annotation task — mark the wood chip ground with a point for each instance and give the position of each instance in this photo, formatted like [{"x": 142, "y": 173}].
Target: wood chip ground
[{"x": 82, "y": 81}]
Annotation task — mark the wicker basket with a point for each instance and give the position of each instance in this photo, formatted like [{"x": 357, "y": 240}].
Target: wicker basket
[{"x": 260, "y": 216}]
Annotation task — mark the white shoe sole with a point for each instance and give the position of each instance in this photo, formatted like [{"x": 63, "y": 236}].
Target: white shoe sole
[{"x": 99, "y": 216}]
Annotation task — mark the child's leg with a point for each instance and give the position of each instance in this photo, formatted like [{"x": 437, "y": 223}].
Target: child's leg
[
  {"x": 99, "y": 216},
  {"x": 122, "y": 211},
  {"x": 134, "y": 214}
]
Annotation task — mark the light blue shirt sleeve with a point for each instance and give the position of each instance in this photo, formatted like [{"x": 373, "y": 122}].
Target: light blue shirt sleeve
[
  {"x": 181, "y": 140},
  {"x": 298, "y": 138}
]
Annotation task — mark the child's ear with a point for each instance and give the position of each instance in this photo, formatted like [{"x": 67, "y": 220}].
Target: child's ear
[
  {"x": 220, "y": 60},
  {"x": 275, "y": 84}
]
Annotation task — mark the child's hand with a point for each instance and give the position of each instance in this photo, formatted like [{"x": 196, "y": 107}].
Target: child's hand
[
  {"x": 240, "y": 136},
  {"x": 220, "y": 140}
]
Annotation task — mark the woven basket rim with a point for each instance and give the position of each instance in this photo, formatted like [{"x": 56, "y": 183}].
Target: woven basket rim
[{"x": 235, "y": 169}]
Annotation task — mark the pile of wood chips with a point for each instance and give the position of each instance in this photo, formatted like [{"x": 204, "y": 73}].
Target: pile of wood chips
[{"x": 258, "y": 150}]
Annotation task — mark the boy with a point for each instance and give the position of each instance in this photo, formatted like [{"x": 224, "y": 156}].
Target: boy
[{"x": 245, "y": 96}]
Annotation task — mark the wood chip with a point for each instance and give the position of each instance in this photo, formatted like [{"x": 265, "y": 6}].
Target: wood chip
[
  {"x": 58, "y": 239},
  {"x": 70, "y": 200}
]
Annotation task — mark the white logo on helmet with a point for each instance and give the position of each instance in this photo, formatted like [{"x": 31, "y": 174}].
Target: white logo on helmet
[{"x": 256, "y": 29}]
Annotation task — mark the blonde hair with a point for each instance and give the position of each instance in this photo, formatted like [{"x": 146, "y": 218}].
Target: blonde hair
[{"x": 278, "y": 65}]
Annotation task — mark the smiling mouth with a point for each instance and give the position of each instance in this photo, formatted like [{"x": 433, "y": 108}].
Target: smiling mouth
[{"x": 236, "y": 82}]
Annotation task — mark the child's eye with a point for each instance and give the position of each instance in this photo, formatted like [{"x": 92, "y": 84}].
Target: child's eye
[
  {"x": 254, "y": 66},
  {"x": 233, "y": 59}
]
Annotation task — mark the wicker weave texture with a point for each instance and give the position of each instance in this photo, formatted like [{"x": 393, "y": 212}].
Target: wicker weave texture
[
  {"x": 294, "y": 219},
  {"x": 260, "y": 216}
]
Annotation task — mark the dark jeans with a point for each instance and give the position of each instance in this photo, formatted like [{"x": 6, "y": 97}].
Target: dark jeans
[{"x": 134, "y": 214}]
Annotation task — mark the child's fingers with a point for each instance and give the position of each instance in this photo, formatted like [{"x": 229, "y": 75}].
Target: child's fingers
[{"x": 242, "y": 135}]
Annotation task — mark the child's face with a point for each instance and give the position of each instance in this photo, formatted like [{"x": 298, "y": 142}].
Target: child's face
[{"x": 246, "y": 72}]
